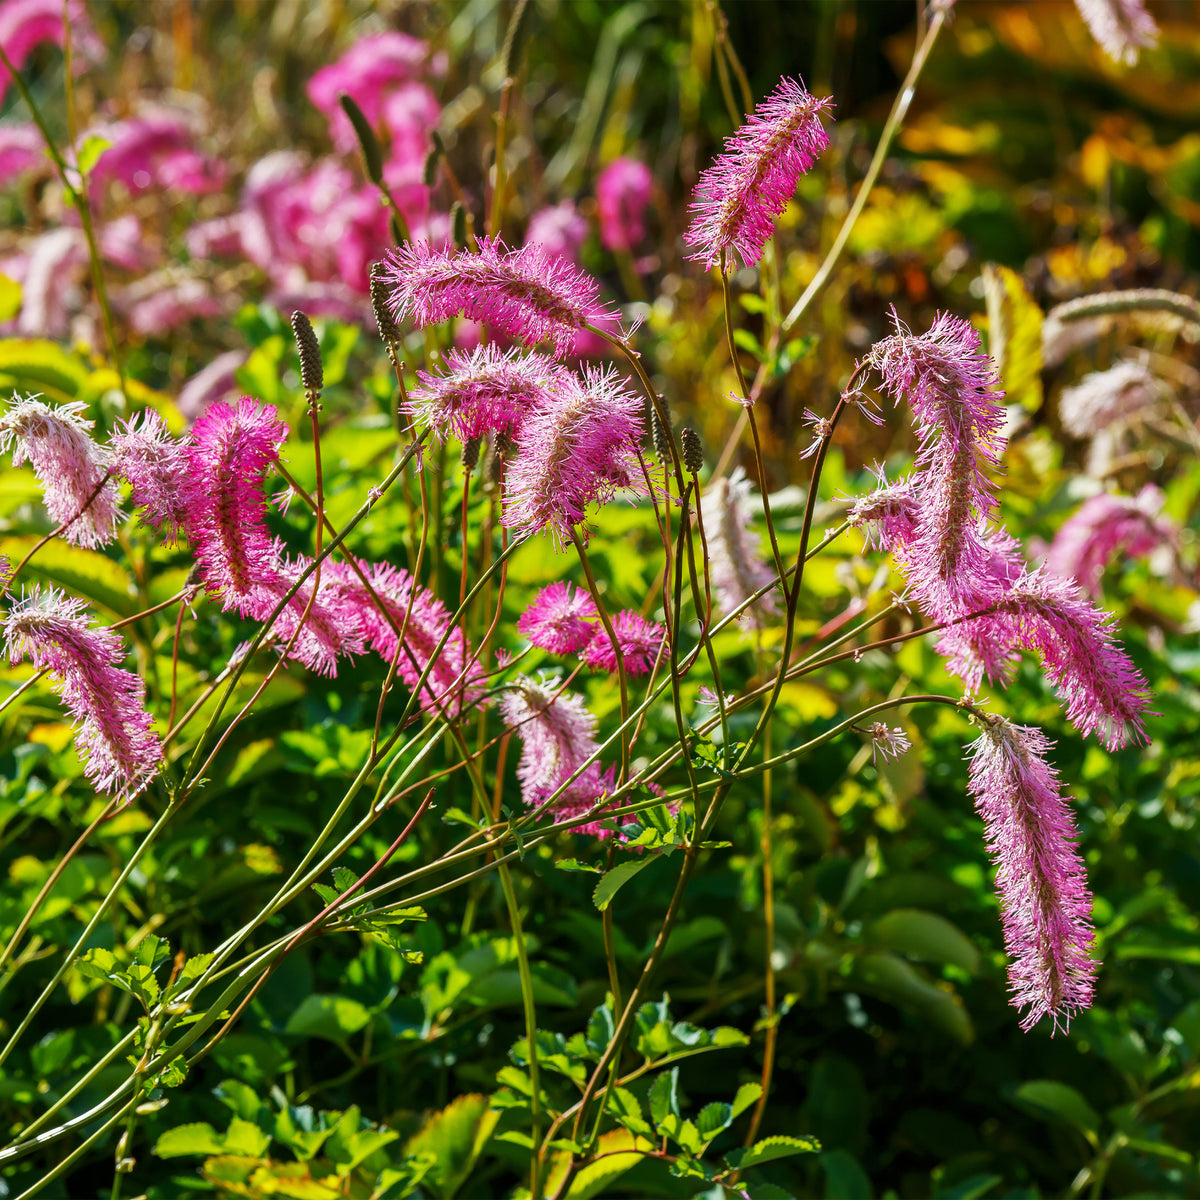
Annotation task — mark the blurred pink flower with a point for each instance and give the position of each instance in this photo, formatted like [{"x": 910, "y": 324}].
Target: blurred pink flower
[
  {"x": 155, "y": 150},
  {"x": 622, "y": 193},
  {"x": 210, "y": 384},
  {"x": 737, "y": 568},
  {"x": 50, "y": 280},
  {"x": 158, "y": 303},
  {"x": 115, "y": 733},
  {"x": 559, "y": 230},
  {"x": 1105, "y": 397},
  {"x": 123, "y": 243},
  {"x": 1122, "y": 27},
  {"x": 21, "y": 149},
  {"x": 27, "y": 24},
  {"x": 561, "y": 619},
  {"x": 411, "y": 113}
]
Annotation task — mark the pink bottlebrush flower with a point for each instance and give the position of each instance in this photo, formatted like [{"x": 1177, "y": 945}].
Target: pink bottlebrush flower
[
  {"x": 231, "y": 449},
  {"x": 1044, "y": 899},
  {"x": 27, "y": 24},
  {"x": 486, "y": 391},
  {"x": 640, "y": 642},
  {"x": 146, "y": 455},
  {"x": 558, "y": 736},
  {"x": 1103, "y": 398},
  {"x": 735, "y": 565},
  {"x": 21, "y": 149},
  {"x": 951, "y": 387},
  {"x": 164, "y": 300},
  {"x": 213, "y": 383},
  {"x": 69, "y": 465},
  {"x": 411, "y": 114},
  {"x": 888, "y": 742},
  {"x": 738, "y": 198},
  {"x": 124, "y": 242},
  {"x": 561, "y": 619},
  {"x": 1103, "y": 526},
  {"x": 524, "y": 293},
  {"x": 115, "y": 733},
  {"x": 155, "y": 150},
  {"x": 1122, "y": 27},
  {"x": 559, "y": 230},
  {"x": 622, "y": 193},
  {"x": 456, "y": 681},
  {"x": 888, "y": 516},
  {"x": 50, "y": 290},
  {"x": 575, "y": 450}
]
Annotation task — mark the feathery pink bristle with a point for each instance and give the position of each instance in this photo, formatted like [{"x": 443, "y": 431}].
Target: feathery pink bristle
[
  {"x": 639, "y": 640},
  {"x": 146, "y": 455},
  {"x": 561, "y": 619}
]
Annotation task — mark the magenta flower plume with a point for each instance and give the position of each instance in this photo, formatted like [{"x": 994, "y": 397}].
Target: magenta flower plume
[
  {"x": 738, "y": 198},
  {"x": 574, "y": 451},
  {"x": 1122, "y": 27},
  {"x": 231, "y": 449},
  {"x": 1103, "y": 526},
  {"x": 485, "y": 391},
  {"x": 524, "y": 293},
  {"x": 887, "y": 516},
  {"x": 951, "y": 387},
  {"x": 456, "y": 680},
  {"x": 69, "y": 465},
  {"x": 640, "y": 642},
  {"x": 558, "y": 736},
  {"x": 115, "y": 733},
  {"x": 561, "y": 619},
  {"x": 737, "y": 569},
  {"x": 146, "y": 455},
  {"x": 1103, "y": 398},
  {"x": 1044, "y": 900}
]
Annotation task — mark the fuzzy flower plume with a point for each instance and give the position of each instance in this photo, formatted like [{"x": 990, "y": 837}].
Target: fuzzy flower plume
[
  {"x": 1103, "y": 398},
  {"x": 888, "y": 515},
  {"x": 146, "y": 455},
  {"x": 69, "y": 465},
  {"x": 558, "y": 736},
  {"x": 737, "y": 570},
  {"x": 951, "y": 387},
  {"x": 524, "y": 293},
  {"x": 115, "y": 733},
  {"x": 1104, "y": 526},
  {"x": 738, "y": 198},
  {"x": 561, "y": 619},
  {"x": 1044, "y": 899},
  {"x": 232, "y": 447},
  {"x": 576, "y": 450},
  {"x": 1122, "y": 27},
  {"x": 455, "y": 681},
  {"x": 484, "y": 391},
  {"x": 623, "y": 191},
  {"x": 640, "y": 641}
]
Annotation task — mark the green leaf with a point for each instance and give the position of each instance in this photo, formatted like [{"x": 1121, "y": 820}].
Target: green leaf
[
  {"x": 367, "y": 141},
  {"x": 770, "y": 1149},
  {"x": 895, "y": 980},
  {"x": 242, "y": 1137},
  {"x": 844, "y": 1177},
  {"x": 344, "y": 879},
  {"x": 573, "y": 864},
  {"x": 1014, "y": 335},
  {"x": 745, "y": 340},
  {"x": 334, "y": 1018},
  {"x": 747, "y": 1095},
  {"x": 713, "y": 1118},
  {"x": 664, "y": 1096},
  {"x": 925, "y": 936},
  {"x": 625, "y": 1107},
  {"x": 455, "y": 1137},
  {"x": 36, "y": 365},
  {"x": 84, "y": 572},
  {"x": 1048, "y": 1097},
  {"x": 94, "y": 145},
  {"x": 199, "y": 1138},
  {"x": 972, "y": 1188},
  {"x": 614, "y": 880}
]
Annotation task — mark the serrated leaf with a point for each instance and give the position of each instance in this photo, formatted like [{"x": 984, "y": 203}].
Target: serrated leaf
[
  {"x": 612, "y": 881},
  {"x": 713, "y": 1118},
  {"x": 625, "y": 1107},
  {"x": 770, "y": 1149},
  {"x": 664, "y": 1096},
  {"x": 197, "y": 1138},
  {"x": 344, "y": 879},
  {"x": 747, "y": 1095},
  {"x": 243, "y": 1137}
]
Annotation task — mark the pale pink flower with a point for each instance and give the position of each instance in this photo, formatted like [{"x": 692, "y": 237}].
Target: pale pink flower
[
  {"x": 1122, "y": 27},
  {"x": 158, "y": 303},
  {"x": 561, "y": 619},
  {"x": 1103, "y": 398},
  {"x": 69, "y": 465},
  {"x": 735, "y": 565},
  {"x": 558, "y": 736},
  {"x": 559, "y": 230},
  {"x": 524, "y": 293},
  {"x": 1104, "y": 526},
  {"x": 50, "y": 289},
  {"x": 737, "y": 199},
  {"x": 623, "y": 191},
  {"x": 576, "y": 450},
  {"x": 21, "y": 149},
  {"x": 124, "y": 242},
  {"x": 227, "y": 461},
  {"x": 640, "y": 642},
  {"x": 115, "y": 733},
  {"x": 887, "y": 516},
  {"x": 27, "y": 24},
  {"x": 156, "y": 464},
  {"x": 486, "y": 391},
  {"x": 888, "y": 742},
  {"x": 1044, "y": 899}
]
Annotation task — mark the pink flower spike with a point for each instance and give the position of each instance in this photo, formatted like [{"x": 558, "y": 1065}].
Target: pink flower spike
[
  {"x": 1105, "y": 398},
  {"x": 1122, "y": 27},
  {"x": 576, "y": 450},
  {"x": 1044, "y": 900},
  {"x": 888, "y": 516},
  {"x": 640, "y": 642},
  {"x": 888, "y": 742},
  {"x": 69, "y": 465},
  {"x": 737, "y": 569},
  {"x": 738, "y": 198},
  {"x": 155, "y": 463},
  {"x": 225, "y": 504},
  {"x": 622, "y": 193},
  {"x": 561, "y": 619},
  {"x": 524, "y": 293},
  {"x": 115, "y": 733},
  {"x": 485, "y": 391},
  {"x": 27, "y": 24}
]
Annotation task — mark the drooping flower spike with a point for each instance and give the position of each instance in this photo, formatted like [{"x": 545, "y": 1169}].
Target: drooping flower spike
[
  {"x": 1104, "y": 398},
  {"x": 736, "y": 567},
  {"x": 524, "y": 293},
  {"x": 561, "y": 619},
  {"x": 737, "y": 199},
  {"x": 1044, "y": 900},
  {"x": 115, "y": 733},
  {"x": 69, "y": 465}
]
